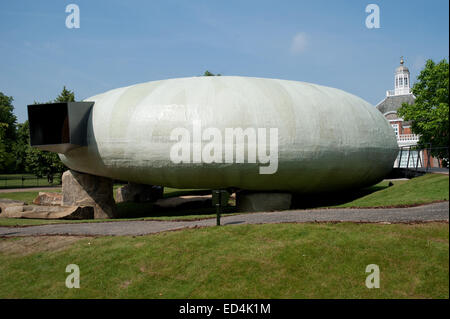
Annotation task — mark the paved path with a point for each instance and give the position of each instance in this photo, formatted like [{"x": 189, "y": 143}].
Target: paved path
[{"x": 431, "y": 212}]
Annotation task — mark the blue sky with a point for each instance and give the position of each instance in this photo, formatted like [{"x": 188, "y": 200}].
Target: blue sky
[{"x": 121, "y": 43}]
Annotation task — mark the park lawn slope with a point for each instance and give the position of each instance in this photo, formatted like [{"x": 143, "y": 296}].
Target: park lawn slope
[
  {"x": 240, "y": 261},
  {"x": 420, "y": 190}
]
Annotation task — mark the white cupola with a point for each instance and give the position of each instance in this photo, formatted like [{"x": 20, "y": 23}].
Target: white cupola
[{"x": 402, "y": 79}]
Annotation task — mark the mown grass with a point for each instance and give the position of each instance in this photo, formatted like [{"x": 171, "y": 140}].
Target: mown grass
[
  {"x": 419, "y": 190},
  {"x": 26, "y": 197},
  {"x": 241, "y": 261}
]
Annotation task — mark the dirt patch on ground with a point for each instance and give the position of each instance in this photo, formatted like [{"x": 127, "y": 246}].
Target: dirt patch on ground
[
  {"x": 125, "y": 284},
  {"x": 30, "y": 245}
]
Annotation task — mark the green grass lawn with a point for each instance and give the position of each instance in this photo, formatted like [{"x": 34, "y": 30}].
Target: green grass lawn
[
  {"x": 420, "y": 190},
  {"x": 26, "y": 197},
  {"x": 240, "y": 261}
]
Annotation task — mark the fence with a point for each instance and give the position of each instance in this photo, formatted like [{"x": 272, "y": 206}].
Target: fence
[
  {"x": 414, "y": 157},
  {"x": 28, "y": 180}
]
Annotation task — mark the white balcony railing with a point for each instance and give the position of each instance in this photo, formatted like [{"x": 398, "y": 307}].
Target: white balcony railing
[
  {"x": 390, "y": 92},
  {"x": 400, "y": 91},
  {"x": 408, "y": 138}
]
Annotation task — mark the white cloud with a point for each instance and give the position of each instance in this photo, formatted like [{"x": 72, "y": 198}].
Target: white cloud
[{"x": 299, "y": 43}]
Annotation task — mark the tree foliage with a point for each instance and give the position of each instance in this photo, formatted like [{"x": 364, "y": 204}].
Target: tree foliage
[
  {"x": 7, "y": 116},
  {"x": 7, "y": 132},
  {"x": 21, "y": 146},
  {"x": 65, "y": 96},
  {"x": 43, "y": 163},
  {"x": 16, "y": 154},
  {"x": 4, "y": 158},
  {"x": 207, "y": 73},
  {"x": 430, "y": 110}
]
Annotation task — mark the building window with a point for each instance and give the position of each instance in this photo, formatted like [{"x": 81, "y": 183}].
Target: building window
[
  {"x": 406, "y": 81},
  {"x": 400, "y": 81},
  {"x": 395, "y": 127}
]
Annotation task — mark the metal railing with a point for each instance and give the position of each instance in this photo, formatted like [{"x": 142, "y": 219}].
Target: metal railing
[
  {"x": 408, "y": 138},
  {"x": 390, "y": 92},
  {"x": 28, "y": 180},
  {"x": 415, "y": 158}
]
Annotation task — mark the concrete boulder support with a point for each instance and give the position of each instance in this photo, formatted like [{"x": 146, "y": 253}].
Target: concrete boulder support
[
  {"x": 5, "y": 203},
  {"x": 81, "y": 189},
  {"x": 49, "y": 212},
  {"x": 52, "y": 199},
  {"x": 138, "y": 193},
  {"x": 262, "y": 201}
]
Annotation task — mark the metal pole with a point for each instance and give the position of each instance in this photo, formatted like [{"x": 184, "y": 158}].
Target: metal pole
[
  {"x": 218, "y": 214},
  {"x": 400, "y": 159},
  {"x": 409, "y": 153},
  {"x": 419, "y": 158}
]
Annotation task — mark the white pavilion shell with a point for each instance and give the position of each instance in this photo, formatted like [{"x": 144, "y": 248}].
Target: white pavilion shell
[{"x": 328, "y": 139}]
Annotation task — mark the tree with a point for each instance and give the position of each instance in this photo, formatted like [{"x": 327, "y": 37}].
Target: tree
[
  {"x": 45, "y": 163},
  {"x": 207, "y": 73},
  {"x": 4, "y": 157},
  {"x": 429, "y": 113},
  {"x": 7, "y": 116},
  {"x": 7, "y": 132},
  {"x": 21, "y": 146},
  {"x": 65, "y": 96}
]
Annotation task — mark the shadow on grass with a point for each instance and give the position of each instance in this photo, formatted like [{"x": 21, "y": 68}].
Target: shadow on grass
[
  {"x": 188, "y": 209},
  {"x": 204, "y": 207},
  {"x": 300, "y": 201}
]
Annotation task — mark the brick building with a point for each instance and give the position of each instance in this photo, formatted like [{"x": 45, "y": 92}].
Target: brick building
[{"x": 405, "y": 138}]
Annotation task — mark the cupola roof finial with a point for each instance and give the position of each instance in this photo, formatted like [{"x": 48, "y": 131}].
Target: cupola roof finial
[{"x": 401, "y": 60}]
